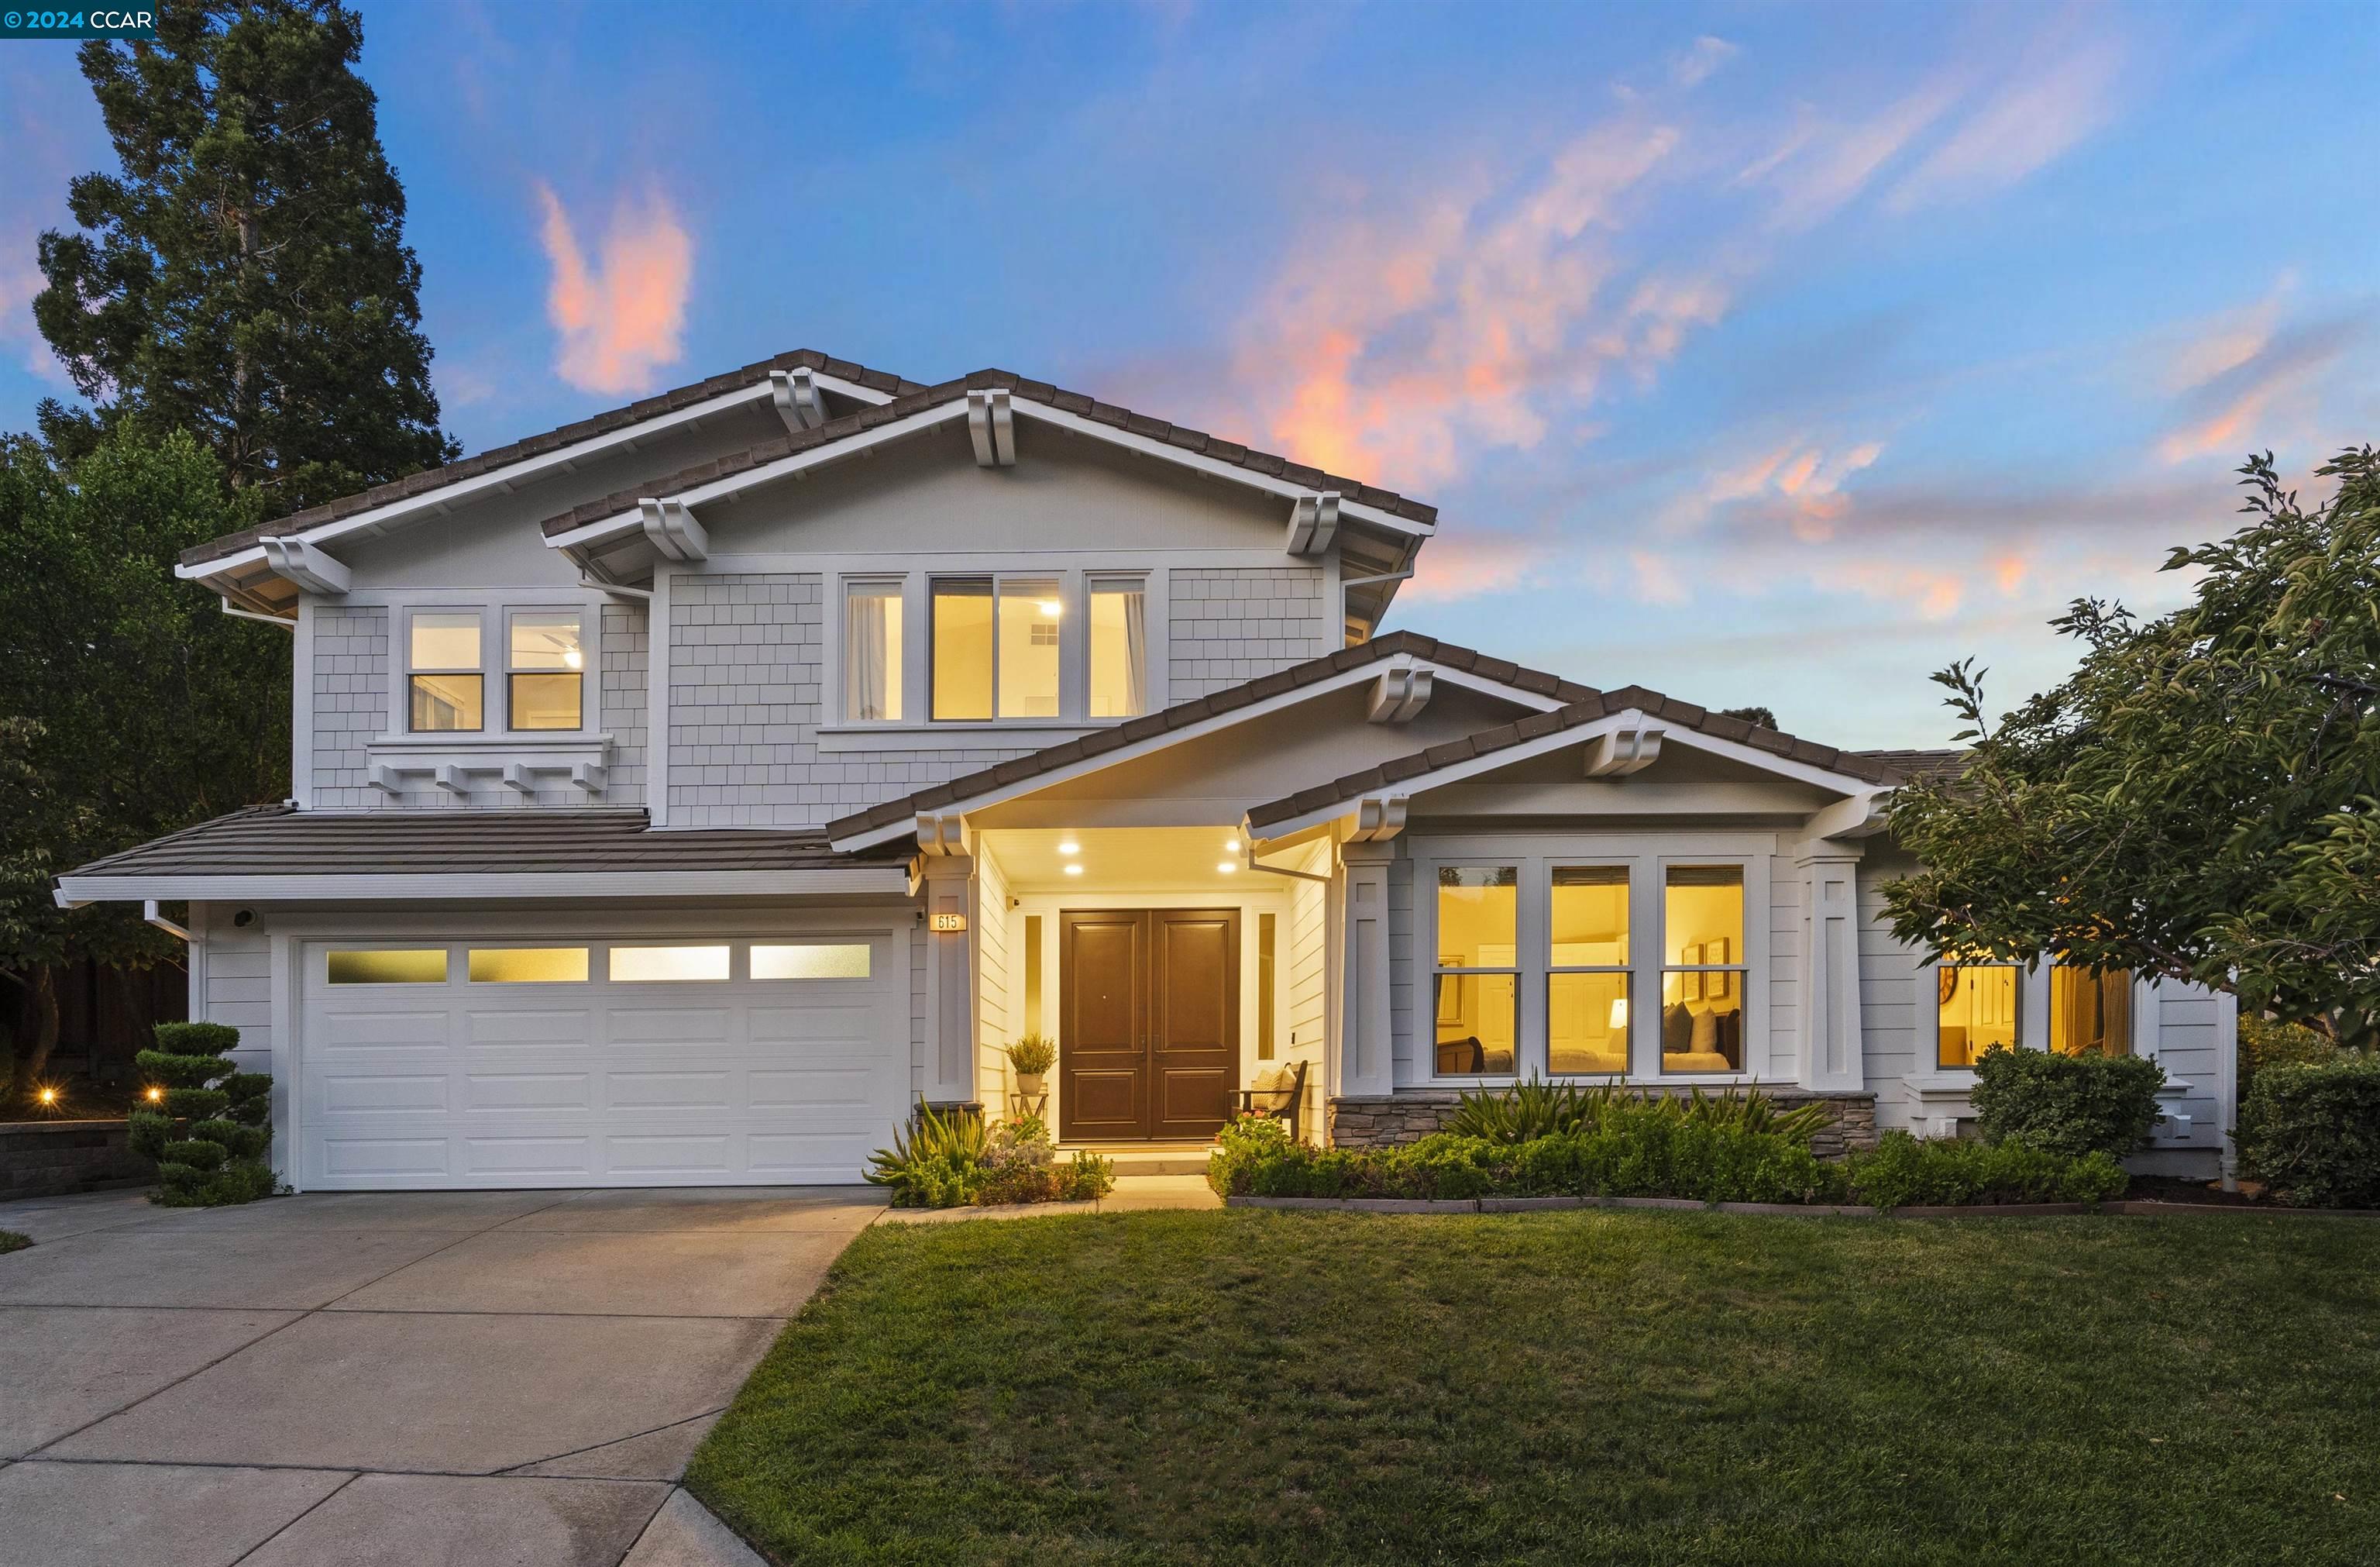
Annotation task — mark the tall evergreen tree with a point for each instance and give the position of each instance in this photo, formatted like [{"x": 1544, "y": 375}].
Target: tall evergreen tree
[{"x": 246, "y": 277}]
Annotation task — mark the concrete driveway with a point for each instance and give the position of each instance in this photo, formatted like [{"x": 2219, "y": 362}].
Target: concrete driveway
[{"x": 408, "y": 1377}]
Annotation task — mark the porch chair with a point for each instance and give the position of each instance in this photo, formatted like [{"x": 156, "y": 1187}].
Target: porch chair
[{"x": 1278, "y": 1092}]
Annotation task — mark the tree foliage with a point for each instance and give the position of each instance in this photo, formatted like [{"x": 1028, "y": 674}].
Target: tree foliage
[
  {"x": 2201, "y": 800},
  {"x": 129, "y": 706},
  {"x": 244, "y": 277}
]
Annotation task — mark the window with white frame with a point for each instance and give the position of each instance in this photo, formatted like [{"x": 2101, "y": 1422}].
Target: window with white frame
[
  {"x": 1118, "y": 651},
  {"x": 1601, "y": 957},
  {"x": 1981, "y": 1005},
  {"x": 445, "y": 683},
  {"x": 1976, "y": 1007},
  {"x": 545, "y": 678},
  {"x": 872, "y": 652},
  {"x": 1702, "y": 968}
]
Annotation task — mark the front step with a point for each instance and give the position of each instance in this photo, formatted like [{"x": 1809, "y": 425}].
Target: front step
[{"x": 1146, "y": 1159}]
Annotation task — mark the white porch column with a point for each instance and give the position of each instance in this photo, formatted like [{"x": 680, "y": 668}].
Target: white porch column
[
  {"x": 1367, "y": 1062},
  {"x": 950, "y": 982},
  {"x": 1831, "y": 1056}
]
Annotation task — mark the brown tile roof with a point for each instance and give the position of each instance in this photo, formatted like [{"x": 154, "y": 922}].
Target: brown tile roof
[
  {"x": 1584, "y": 704},
  {"x": 552, "y": 440},
  {"x": 917, "y": 401},
  {"x": 282, "y": 841}
]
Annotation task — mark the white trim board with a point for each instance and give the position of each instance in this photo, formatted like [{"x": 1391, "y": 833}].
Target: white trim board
[{"x": 890, "y": 880}]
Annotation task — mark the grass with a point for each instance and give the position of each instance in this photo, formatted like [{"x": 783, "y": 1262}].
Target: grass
[
  {"x": 1262, "y": 1386},
  {"x": 11, "y": 1240}
]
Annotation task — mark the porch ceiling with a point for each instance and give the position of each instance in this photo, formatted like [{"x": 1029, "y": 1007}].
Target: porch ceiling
[{"x": 1169, "y": 859}]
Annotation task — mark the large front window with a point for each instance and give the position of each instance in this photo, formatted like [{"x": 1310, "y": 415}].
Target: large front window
[
  {"x": 1029, "y": 647},
  {"x": 1702, "y": 968},
  {"x": 2090, "y": 1014},
  {"x": 1477, "y": 978},
  {"x": 1977, "y": 1004},
  {"x": 997, "y": 647},
  {"x": 1587, "y": 979}
]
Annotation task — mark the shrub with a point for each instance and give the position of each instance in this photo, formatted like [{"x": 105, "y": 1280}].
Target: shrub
[
  {"x": 2066, "y": 1104},
  {"x": 1033, "y": 1054},
  {"x": 2312, "y": 1132},
  {"x": 212, "y": 1130},
  {"x": 1902, "y": 1172},
  {"x": 952, "y": 1160},
  {"x": 1528, "y": 1111},
  {"x": 2264, "y": 1042}
]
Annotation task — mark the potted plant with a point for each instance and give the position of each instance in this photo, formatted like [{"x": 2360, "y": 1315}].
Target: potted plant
[{"x": 1031, "y": 1057}]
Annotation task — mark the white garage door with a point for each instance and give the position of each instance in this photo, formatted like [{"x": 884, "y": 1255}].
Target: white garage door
[{"x": 633, "y": 1062}]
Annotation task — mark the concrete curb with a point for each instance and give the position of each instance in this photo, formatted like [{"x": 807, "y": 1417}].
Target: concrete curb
[{"x": 2138, "y": 1207}]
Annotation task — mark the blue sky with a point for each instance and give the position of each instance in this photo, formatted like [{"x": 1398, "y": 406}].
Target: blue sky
[{"x": 1754, "y": 353}]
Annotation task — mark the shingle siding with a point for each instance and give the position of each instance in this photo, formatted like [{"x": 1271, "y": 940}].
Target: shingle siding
[
  {"x": 625, "y": 644},
  {"x": 351, "y": 690},
  {"x": 1237, "y": 623}
]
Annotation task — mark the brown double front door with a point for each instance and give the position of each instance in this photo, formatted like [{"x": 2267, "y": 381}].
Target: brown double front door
[{"x": 1149, "y": 1022}]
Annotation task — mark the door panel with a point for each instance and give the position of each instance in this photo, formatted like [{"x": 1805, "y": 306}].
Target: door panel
[
  {"x": 1103, "y": 985},
  {"x": 1150, "y": 1008},
  {"x": 1195, "y": 1006}
]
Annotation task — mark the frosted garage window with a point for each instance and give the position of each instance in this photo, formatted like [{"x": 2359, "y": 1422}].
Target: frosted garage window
[
  {"x": 528, "y": 965},
  {"x": 817, "y": 961},
  {"x": 389, "y": 966},
  {"x": 638, "y": 964}
]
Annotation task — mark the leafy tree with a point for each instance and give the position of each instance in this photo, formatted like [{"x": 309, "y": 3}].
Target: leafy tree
[
  {"x": 2201, "y": 800},
  {"x": 1759, "y": 717},
  {"x": 132, "y": 707},
  {"x": 244, "y": 277}
]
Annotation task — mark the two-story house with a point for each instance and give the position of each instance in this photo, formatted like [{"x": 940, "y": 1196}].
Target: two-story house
[{"x": 683, "y": 795}]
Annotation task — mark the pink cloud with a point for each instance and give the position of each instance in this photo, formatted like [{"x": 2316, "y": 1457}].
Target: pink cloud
[
  {"x": 1459, "y": 566},
  {"x": 620, "y": 319},
  {"x": 2056, "y": 98},
  {"x": 1657, "y": 581}
]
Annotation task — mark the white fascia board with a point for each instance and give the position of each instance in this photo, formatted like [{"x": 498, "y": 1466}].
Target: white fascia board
[
  {"x": 605, "y": 529},
  {"x": 1023, "y": 408},
  {"x": 446, "y": 497},
  {"x": 840, "y": 883},
  {"x": 1566, "y": 739},
  {"x": 1361, "y": 674}
]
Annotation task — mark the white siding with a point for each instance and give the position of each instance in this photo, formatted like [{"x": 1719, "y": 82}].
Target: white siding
[
  {"x": 1305, "y": 970},
  {"x": 2193, "y": 1029},
  {"x": 994, "y": 974},
  {"x": 1889, "y": 978},
  {"x": 1406, "y": 1063},
  {"x": 1235, "y": 623},
  {"x": 1788, "y": 906}
]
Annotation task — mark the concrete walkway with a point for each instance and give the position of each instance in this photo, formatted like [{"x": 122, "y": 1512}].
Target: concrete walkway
[{"x": 467, "y": 1378}]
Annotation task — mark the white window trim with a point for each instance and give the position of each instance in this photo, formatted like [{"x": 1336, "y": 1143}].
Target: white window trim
[
  {"x": 2032, "y": 1022},
  {"x": 495, "y": 611},
  {"x": 917, "y": 729},
  {"x": 1648, "y": 858}
]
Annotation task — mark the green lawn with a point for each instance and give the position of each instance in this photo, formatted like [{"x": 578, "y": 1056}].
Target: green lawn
[{"x": 1312, "y": 1387}]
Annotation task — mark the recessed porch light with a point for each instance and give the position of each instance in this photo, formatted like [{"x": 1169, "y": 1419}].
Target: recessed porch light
[
  {"x": 1227, "y": 867},
  {"x": 1073, "y": 871},
  {"x": 1070, "y": 847}
]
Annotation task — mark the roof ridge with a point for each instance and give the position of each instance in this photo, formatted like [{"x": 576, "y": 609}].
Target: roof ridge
[
  {"x": 1079, "y": 404},
  {"x": 561, "y": 435}
]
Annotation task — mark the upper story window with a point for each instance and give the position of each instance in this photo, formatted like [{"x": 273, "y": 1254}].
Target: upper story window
[
  {"x": 996, "y": 647},
  {"x": 872, "y": 652},
  {"x": 543, "y": 671},
  {"x": 545, "y": 679},
  {"x": 446, "y": 691}
]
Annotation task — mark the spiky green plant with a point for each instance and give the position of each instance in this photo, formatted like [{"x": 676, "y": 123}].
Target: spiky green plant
[
  {"x": 1534, "y": 1109},
  {"x": 942, "y": 1162}
]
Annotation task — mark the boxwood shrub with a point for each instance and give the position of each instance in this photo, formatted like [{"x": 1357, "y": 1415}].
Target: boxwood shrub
[
  {"x": 1656, "y": 1155},
  {"x": 2066, "y": 1104},
  {"x": 2311, "y": 1131}
]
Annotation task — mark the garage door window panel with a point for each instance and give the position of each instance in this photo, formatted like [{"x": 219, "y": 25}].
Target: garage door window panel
[
  {"x": 810, "y": 961},
  {"x": 673, "y": 964},
  {"x": 386, "y": 965},
  {"x": 527, "y": 966}
]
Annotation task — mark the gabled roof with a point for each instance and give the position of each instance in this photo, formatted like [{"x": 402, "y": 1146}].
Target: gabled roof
[
  {"x": 916, "y": 401},
  {"x": 552, "y": 440},
  {"x": 1415, "y": 769},
  {"x": 1578, "y": 705}
]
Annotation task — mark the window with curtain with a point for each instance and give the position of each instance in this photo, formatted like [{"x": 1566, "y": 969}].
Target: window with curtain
[
  {"x": 1119, "y": 649},
  {"x": 1977, "y": 1005},
  {"x": 1586, "y": 969},
  {"x": 872, "y": 652},
  {"x": 545, "y": 671},
  {"x": 1702, "y": 968},
  {"x": 2090, "y": 1014},
  {"x": 1477, "y": 982},
  {"x": 445, "y": 690}
]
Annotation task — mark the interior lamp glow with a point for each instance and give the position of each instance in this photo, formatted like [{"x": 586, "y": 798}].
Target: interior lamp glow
[
  {"x": 1620, "y": 1012},
  {"x": 1051, "y": 608}
]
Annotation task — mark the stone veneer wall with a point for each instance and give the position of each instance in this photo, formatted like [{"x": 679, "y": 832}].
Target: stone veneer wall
[
  {"x": 1377, "y": 1121},
  {"x": 42, "y": 1159}
]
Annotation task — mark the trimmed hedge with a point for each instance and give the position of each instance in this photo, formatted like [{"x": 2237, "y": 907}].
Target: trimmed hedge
[
  {"x": 2070, "y": 1105},
  {"x": 214, "y": 1131},
  {"x": 2311, "y": 1131},
  {"x": 1653, "y": 1155}
]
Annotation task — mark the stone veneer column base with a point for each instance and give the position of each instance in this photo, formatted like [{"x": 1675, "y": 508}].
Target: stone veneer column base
[{"x": 1380, "y": 1120}]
